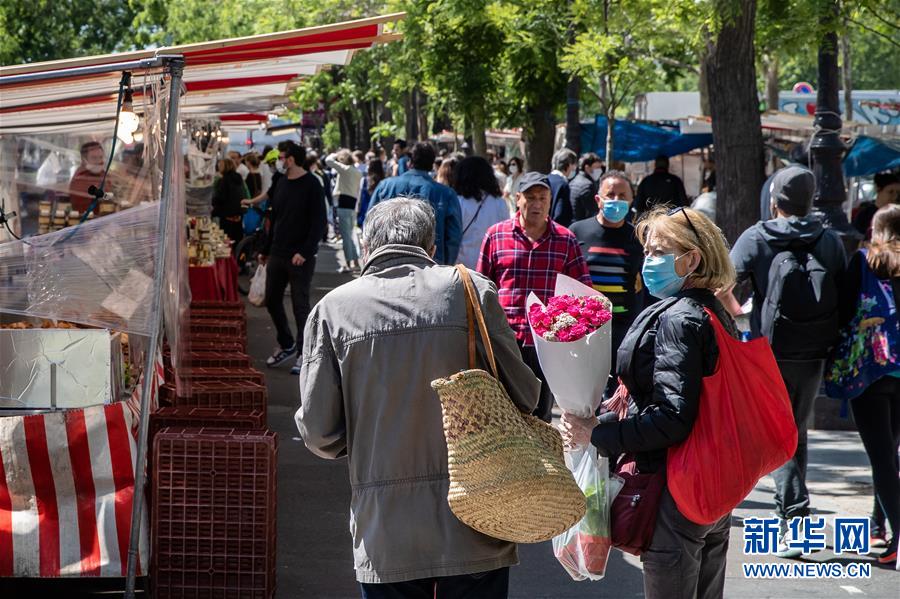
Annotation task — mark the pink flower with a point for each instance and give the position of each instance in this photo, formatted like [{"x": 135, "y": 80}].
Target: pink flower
[{"x": 568, "y": 318}]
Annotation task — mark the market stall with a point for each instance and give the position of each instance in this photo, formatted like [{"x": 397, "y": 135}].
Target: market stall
[{"x": 95, "y": 188}]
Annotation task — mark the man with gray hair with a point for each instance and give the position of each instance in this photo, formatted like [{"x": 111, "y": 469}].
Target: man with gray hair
[{"x": 371, "y": 349}]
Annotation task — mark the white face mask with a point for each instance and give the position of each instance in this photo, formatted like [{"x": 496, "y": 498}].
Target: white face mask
[
  {"x": 279, "y": 165},
  {"x": 94, "y": 168},
  {"x": 597, "y": 173},
  {"x": 513, "y": 169}
]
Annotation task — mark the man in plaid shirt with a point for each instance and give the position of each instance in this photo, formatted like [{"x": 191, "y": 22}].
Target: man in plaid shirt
[{"x": 525, "y": 254}]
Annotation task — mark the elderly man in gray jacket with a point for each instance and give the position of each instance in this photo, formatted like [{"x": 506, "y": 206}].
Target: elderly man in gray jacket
[{"x": 371, "y": 349}]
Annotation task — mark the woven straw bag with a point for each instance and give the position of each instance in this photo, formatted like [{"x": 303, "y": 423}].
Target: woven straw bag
[{"x": 508, "y": 478}]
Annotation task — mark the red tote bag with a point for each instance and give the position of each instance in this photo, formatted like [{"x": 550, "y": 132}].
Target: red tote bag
[{"x": 744, "y": 429}]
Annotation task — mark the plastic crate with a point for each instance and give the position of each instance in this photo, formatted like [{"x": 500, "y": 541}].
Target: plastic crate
[
  {"x": 232, "y": 306},
  {"x": 213, "y": 513},
  {"x": 223, "y": 328},
  {"x": 206, "y": 359},
  {"x": 205, "y": 320},
  {"x": 238, "y": 395},
  {"x": 209, "y": 340},
  {"x": 218, "y": 373},
  {"x": 187, "y": 416},
  {"x": 205, "y": 343}
]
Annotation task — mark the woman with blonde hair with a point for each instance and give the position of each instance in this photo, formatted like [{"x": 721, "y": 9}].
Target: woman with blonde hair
[{"x": 662, "y": 361}]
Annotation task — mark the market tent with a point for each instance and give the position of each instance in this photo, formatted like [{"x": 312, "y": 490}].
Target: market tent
[
  {"x": 870, "y": 155},
  {"x": 639, "y": 142},
  {"x": 224, "y": 77}
]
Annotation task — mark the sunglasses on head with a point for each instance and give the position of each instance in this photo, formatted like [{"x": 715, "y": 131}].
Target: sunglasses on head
[{"x": 681, "y": 209}]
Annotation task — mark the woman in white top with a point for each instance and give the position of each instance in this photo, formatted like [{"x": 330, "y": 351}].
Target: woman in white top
[
  {"x": 346, "y": 188},
  {"x": 481, "y": 205},
  {"x": 515, "y": 168}
]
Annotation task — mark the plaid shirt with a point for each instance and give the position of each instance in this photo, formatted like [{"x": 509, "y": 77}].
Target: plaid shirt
[{"x": 517, "y": 266}]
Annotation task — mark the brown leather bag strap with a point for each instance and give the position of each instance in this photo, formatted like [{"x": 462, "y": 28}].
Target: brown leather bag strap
[{"x": 473, "y": 305}]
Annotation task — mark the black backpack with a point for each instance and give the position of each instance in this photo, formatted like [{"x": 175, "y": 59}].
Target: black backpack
[{"x": 800, "y": 312}]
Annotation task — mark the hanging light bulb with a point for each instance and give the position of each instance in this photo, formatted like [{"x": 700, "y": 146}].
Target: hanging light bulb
[{"x": 128, "y": 120}]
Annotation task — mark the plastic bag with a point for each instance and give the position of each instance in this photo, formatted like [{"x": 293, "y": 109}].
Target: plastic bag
[
  {"x": 257, "y": 295},
  {"x": 583, "y": 550},
  {"x": 744, "y": 430}
]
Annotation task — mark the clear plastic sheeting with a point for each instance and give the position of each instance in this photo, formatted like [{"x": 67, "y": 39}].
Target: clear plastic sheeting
[
  {"x": 99, "y": 273},
  {"x": 58, "y": 368},
  {"x": 96, "y": 270}
]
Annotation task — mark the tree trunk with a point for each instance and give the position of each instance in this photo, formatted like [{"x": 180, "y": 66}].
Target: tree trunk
[
  {"x": 346, "y": 130},
  {"x": 772, "y": 83},
  {"x": 573, "y": 115},
  {"x": 386, "y": 116},
  {"x": 479, "y": 137},
  {"x": 703, "y": 81},
  {"x": 422, "y": 113},
  {"x": 412, "y": 122},
  {"x": 734, "y": 107},
  {"x": 847, "y": 76},
  {"x": 365, "y": 125},
  {"x": 610, "y": 133},
  {"x": 539, "y": 137}
]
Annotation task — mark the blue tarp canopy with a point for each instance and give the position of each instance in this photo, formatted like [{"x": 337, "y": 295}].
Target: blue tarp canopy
[
  {"x": 639, "y": 142},
  {"x": 870, "y": 155}
]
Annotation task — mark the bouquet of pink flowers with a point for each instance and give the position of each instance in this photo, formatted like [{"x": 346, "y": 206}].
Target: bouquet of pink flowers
[
  {"x": 572, "y": 335},
  {"x": 569, "y": 318}
]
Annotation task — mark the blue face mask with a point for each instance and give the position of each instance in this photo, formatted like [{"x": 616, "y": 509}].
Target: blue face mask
[
  {"x": 615, "y": 210},
  {"x": 660, "y": 277}
]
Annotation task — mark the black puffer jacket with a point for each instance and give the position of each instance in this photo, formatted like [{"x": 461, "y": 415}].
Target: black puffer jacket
[{"x": 663, "y": 359}]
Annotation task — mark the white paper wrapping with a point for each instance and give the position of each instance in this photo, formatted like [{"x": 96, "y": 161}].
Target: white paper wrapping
[{"x": 577, "y": 371}]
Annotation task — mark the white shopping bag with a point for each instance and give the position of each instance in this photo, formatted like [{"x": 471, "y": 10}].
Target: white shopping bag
[
  {"x": 257, "y": 295},
  {"x": 576, "y": 371}
]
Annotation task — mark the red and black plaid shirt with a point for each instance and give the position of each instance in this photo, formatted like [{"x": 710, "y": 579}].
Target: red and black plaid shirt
[{"x": 517, "y": 266}]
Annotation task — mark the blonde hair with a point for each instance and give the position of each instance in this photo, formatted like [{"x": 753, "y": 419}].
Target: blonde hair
[{"x": 699, "y": 233}]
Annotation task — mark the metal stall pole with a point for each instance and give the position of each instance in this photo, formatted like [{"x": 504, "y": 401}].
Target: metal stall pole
[{"x": 175, "y": 67}]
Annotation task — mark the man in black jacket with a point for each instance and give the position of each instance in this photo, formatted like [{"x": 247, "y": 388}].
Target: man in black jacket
[
  {"x": 760, "y": 255},
  {"x": 583, "y": 187},
  {"x": 298, "y": 223},
  {"x": 564, "y": 163},
  {"x": 660, "y": 188}
]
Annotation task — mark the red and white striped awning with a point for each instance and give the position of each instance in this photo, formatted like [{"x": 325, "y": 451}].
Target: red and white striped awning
[{"x": 237, "y": 76}]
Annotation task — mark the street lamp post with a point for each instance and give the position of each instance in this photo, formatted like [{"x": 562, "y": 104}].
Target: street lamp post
[{"x": 826, "y": 148}]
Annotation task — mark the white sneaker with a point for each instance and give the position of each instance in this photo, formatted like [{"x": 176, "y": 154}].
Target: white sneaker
[
  {"x": 295, "y": 369},
  {"x": 785, "y": 550}
]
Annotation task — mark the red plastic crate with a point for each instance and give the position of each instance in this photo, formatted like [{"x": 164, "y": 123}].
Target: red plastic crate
[
  {"x": 238, "y": 395},
  {"x": 203, "y": 320},
  {"x": 218, "y": 373},
  {"x": 195, "y": 341},
  {"x": 233, "y": 306},
  {"x": 187, "y": 416},
  {"x": 213, "y": 513},
  {"x": 207, "y": 359},
  {"x": 204, "y": 343},
  {"x": 223, "y": 328}
]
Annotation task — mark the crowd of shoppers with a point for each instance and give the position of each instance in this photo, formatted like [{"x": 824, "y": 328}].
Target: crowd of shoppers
[{"x": 665, "y": 267}]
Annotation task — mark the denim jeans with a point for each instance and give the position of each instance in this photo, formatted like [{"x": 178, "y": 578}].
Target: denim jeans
[
  {"x": 802, "y": 379},
  {"x": 483, "y": 585},
  {"x": 347, "y": 221}
]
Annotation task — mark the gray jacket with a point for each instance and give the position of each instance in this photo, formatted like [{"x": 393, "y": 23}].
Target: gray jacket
[{"x": 371, "y": 349}]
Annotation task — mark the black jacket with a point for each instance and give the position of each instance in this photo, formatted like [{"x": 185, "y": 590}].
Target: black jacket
[
  {"x": 229, "y": 191},
  {"x": 582, "y": 190},
  {"x": 660, "y": 188},
  {"x": 663, "y": 359}
]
